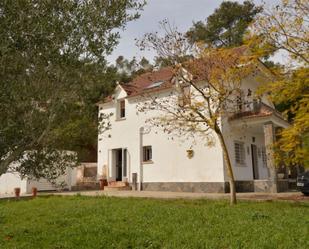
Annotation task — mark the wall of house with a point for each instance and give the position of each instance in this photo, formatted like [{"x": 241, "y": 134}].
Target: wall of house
[
  {"x": 253, "y": 83},
  {"x": 246, "y": 134},
  {"x": 9, "y": 181},
  {"x": 170, "y": 162},
  {"x": 65, "y": 181},
  {"x": 240, "y": 131}
]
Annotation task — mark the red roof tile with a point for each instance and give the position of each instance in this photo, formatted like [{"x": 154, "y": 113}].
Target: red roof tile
[{"x": 142, "y": 83}]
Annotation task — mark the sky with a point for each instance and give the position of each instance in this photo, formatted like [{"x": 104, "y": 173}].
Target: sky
[{"x": 181, "y": 13}]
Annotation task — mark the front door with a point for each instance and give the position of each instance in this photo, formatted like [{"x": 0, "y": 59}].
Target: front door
[
  {"x": 118, "y": 164},
  {"x": 255, "y": 168}
]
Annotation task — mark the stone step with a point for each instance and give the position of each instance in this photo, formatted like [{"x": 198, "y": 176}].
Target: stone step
[{"x": 118, "y": 184}]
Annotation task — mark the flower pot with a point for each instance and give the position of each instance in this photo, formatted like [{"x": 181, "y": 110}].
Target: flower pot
[
  {"x": 103, "y": 182},
  {"x": 34, "y": 191},
  {"x": 17, "y": 192}
]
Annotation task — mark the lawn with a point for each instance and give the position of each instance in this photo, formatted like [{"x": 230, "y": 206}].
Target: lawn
[{"x": 106, "y": 222}]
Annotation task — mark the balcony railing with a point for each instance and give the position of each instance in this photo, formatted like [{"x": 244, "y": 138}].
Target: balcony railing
[{"x": 253, "y": 109}]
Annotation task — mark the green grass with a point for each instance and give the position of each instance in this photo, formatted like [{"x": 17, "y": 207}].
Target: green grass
[{"x": 105, "y": 222}]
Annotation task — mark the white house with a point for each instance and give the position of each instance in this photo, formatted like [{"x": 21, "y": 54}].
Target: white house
[{"x": 134, "y": 152}]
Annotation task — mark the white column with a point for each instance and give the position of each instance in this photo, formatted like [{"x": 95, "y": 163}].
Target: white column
[{"x": 269, "y": 137}]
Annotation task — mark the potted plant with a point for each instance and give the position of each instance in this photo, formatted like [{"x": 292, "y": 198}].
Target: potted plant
[
  {"x": 34, "y": 191},
  {"x": 17, "y": 192}
]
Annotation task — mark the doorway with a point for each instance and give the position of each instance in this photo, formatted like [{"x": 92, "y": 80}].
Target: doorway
[
  {"x": 255, "y": 166},
  {"x": 120, "y": 163}
]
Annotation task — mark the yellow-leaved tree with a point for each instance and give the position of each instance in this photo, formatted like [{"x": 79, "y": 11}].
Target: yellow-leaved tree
[{"x": 284, "y": 29}]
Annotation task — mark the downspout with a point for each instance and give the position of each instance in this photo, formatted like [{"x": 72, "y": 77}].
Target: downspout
[{"x": 141, "y": 133}]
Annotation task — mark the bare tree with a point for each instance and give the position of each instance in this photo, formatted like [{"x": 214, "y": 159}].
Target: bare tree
[
  {"x": 205, "y": 92},
  {"x": 172, "y": 47}
]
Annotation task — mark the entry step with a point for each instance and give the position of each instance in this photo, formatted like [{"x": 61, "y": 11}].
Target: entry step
[{"x": 117, "y": 186}]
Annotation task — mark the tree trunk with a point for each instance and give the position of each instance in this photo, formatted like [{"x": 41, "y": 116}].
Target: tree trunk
[{"x": 228, "y": 166}]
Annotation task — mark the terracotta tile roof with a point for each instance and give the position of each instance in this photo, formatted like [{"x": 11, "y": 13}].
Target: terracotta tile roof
[
  {"x": 150, "y": 81},
  {"x": 142, "y": 83},
  {"x": 201, "y": 67},
  {"x": 146, "y": 83}
]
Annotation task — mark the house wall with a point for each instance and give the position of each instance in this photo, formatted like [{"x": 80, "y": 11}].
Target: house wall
[
  {"x": 253, "y": 83},
  {"x": 67, "y": 181},
  {"x": 245, "y": 135},
  {"x": 170, "y": 163},
  {"x": 9, "y": 181}
]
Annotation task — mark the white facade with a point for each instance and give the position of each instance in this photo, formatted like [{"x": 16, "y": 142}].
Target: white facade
[
  {"x": 9, "y": 181},
  {"x": 170, "y": 163}
]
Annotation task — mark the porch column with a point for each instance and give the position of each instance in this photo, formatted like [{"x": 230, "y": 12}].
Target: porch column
[{"x": 269, "y": 137}]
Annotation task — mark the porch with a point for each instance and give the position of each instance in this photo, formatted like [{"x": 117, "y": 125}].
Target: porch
[{"x": 262, "y": 124}]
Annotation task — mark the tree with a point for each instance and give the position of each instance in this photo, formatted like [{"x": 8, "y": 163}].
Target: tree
[
  {"x": 284, "y": 28},
  {"x": 127, "y": 70},
  {"x": 196, "y": 109},
  {"x": 172, "y": 47},
  {"x": 226, "y": 26},
  {"x": 52, "y": 71}
]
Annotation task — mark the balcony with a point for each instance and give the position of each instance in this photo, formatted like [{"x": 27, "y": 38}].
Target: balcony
[{"x": 251, "y": 109}]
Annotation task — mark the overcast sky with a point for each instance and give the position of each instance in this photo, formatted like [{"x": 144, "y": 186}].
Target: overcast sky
[{"x": 182, "y": 13}]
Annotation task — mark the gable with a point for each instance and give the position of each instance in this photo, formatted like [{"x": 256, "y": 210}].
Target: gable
[{"x": 119, "y": 93}]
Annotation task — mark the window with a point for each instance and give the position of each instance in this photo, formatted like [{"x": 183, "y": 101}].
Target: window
[
  {"x": 155, "y": 84},
  {"x": 264, "y": 158},
  {"x": 147, "y": 153},
  {"x": 239, "y": 153},
  {"x": 121, "y": 109},
  {"x": 239, "y": 103}
]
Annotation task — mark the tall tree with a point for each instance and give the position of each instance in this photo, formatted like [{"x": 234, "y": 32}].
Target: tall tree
[
  {"x": 52, "y": 70},
  {"x": 226, "y": 26},
  {"x": 195, "y": 109},
  {"x": 128, "y": 69},
  {"x": 284, "y": 28}
]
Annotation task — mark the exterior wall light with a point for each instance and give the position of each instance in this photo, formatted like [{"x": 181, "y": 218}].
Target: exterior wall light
[{"x": 190, "y": 153}]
